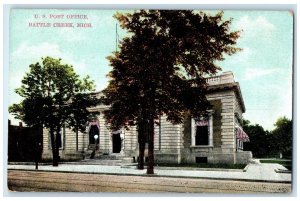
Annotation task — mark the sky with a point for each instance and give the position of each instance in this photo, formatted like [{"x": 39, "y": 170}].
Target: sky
[{"x": 263, "y": 68}]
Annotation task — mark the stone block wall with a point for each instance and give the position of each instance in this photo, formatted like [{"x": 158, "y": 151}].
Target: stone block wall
[
  {"x": 172, "y": 143},
  {"x": 105, "y": 140},
  {"x": 225, "y": 104},
  {"x": 68, "y": 150},
  {"x": 227, "y": 118},
  {"x": 167, "y": 142},
  {"x": 243, "y": 157},
  {"x": 130, "y": 139},
  {"x": 217, "y": 118}
]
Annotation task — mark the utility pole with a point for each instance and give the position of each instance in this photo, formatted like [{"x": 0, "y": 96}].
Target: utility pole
[{"x": 116, "y": 38}]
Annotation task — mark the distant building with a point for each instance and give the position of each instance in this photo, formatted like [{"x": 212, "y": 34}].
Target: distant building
[
  {"x": 215, "y": 138},
  {"x": 24, "y": 143}
]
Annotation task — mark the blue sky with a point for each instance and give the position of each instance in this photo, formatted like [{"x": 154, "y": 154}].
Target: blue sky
[{"x": 263, "y": 68}]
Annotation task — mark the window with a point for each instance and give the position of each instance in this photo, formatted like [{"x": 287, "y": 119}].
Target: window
[
  {"x": 202, "y": 130},
  {"x": 239, "y": 144},
  {"x": 241, "y": 137},
  {"x": 201, "y": 159},
  {"x": 202, "y": 135}
]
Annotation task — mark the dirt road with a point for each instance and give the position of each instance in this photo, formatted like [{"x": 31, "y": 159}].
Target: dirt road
[{"x": 38, "y": 181}]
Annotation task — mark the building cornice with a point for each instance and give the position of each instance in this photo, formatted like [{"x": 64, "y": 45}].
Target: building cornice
[{"x": 235, "y": 86}]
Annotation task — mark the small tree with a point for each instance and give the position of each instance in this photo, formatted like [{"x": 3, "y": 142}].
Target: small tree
[
  {"x": 260, "y": 143},
  {"x": 282, "y": 136},
  {"x": 54, "y": 97},
  {"x": 79, "y": 113},
  {"x": 264, "y": 143},
  {"x": 161, "y": 68}
]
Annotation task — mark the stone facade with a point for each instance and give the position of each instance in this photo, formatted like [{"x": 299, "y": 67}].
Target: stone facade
[{"x": 176, "y": 143}]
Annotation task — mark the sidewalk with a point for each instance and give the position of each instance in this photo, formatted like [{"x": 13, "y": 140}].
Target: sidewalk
[{"x": 253, "y": 172}]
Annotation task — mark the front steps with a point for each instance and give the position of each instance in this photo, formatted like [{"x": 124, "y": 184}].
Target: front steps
[
  {"x": 113, "y": 159},
  {"x": 101, "y": 158}
]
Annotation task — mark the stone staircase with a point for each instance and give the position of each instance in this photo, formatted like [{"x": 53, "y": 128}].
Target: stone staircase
[
  {"x": 100, "y": 158},
  {"x": 91, "y": 152},
  {"x": 91, "y": 146},
  {"x": 111, "y": 160}
]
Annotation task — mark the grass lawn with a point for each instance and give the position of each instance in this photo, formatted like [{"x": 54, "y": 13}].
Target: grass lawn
[
  {"x": 286, "y": 163},
  {"x": 204, "y": 165}
]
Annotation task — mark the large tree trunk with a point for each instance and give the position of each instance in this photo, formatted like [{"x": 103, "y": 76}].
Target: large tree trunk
[
  {"x": 151, "y": 147},
  {"x": 141, "y": 155}
]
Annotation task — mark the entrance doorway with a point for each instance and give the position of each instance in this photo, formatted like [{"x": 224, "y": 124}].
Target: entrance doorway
[
  {"x": 116, "y": 142},
  {"x": 94, "y": 130}
]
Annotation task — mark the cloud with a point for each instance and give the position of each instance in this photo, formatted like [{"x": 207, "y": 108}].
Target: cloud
[
  {"x": 32, "y": 51},
  {"x": 258, "y": 27},
  {"x": 253, "y": 73},
  {"x": 267, "y": 102},
  {"x": 26, "y": 54},
  {"x": 242, "y": 56},
  {"x": 71, "y": 34}
]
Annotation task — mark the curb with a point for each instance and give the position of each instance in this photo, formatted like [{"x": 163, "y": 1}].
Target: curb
[
  {"x": 189, "y": 169},
  {"x": 282, "y": 171},
  {"x": 246, "y": 168},
  {"x": 29, "y": 163}
]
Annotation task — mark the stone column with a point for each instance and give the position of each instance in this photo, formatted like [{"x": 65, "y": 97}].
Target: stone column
[
  {"x": 193, "y": 132},
  {"x": 211, "y": 134},
  {"x": 227, "y": 127},
  {"x": 122, "y": 141}
]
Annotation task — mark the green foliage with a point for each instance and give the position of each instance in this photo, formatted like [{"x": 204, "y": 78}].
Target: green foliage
[
  {"x": 282, "y": 136},
  {"x": 53, "y": 97},
  {"x": 52, "y": 92},
  {"x": 161, "y": 67},
  {"x": 264, "y": 143},
  {"x": 79, "y": 114},
  {"x": 259, "y": 139}
]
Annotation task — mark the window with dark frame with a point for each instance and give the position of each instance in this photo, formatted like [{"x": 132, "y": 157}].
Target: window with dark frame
[{"x": 202, "y": 131}]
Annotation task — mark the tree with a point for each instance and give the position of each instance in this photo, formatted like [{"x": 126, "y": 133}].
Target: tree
[
  {"x": 260, "y": 143},
  {"x": 282, "y": 136},
  {"x": 79, "y": 114},
  {"x": 53, "y": 97},
  {"x": 161, "y": 68},
  {"x": 265, "y": 143}
]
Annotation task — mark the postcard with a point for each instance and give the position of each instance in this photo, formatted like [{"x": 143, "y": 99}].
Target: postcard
[{"x": 150, "y": 101}]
